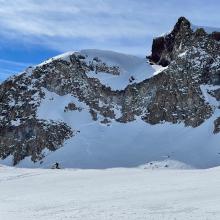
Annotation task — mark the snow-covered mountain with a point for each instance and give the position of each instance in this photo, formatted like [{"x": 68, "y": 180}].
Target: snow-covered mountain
[{"x": 101, "y": 109}]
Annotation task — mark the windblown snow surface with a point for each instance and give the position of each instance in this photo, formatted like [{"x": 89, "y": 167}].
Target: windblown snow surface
[{"x": 112, "y": 194}]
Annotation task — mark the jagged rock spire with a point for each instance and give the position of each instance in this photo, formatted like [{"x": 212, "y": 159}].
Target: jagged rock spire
[
  {"x": 182, "y": 22},
  {"x": 162, "y": 47}
]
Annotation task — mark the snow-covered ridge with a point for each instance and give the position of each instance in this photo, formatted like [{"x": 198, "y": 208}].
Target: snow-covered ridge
[
  {"x": 132, "y": 69},
  {"x": 63, "y": 56}
]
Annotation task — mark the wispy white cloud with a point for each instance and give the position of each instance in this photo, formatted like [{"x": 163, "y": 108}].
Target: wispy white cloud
[
  {"x": 92, "y": 19},
  {"x": 121, "y": 24}
]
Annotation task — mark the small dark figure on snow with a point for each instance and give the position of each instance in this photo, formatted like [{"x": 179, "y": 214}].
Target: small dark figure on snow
[{"x": 56, "y": 166}]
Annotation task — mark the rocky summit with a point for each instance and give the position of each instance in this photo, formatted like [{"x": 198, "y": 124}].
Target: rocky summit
[{"x": 101, "y": 109}]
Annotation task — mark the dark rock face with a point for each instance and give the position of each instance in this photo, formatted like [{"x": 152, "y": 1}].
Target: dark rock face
[
  {"x": 21, "y": 133},
  {"x": 174, "y": 95},
  {"x": 72, "y": 107},
  {"x": 164, "y": 48},
  {"x": 31, "y": 138},
  {"x": 216, "y": 36},
  {"x": 216, "y": 94},
  {"x": 217, "y": 125}
]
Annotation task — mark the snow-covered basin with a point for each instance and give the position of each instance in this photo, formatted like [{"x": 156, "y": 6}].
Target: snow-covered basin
[{"x": 120, "y": 193}]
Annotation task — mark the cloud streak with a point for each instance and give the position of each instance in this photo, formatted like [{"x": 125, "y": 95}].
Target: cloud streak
[
  {"x": 94, "y": 19},
  {"x": 97, "y": 23}
]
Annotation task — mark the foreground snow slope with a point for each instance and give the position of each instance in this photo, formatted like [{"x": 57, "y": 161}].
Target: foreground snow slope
[{"x": 114, "y": 194}]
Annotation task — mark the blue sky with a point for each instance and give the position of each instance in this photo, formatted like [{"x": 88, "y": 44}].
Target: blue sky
[{"x": 34, "y": 30}]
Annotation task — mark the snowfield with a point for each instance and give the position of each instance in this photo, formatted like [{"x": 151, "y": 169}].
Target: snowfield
[{"x": 112, "y": 194}]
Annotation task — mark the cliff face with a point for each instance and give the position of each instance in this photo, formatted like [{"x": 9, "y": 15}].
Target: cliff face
[
  {"x": 166, "y": 48},
  {"x": 179, "y": 93}
]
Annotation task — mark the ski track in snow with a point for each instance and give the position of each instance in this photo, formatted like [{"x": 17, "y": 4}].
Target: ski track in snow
[{"x": 112, "y": 194}]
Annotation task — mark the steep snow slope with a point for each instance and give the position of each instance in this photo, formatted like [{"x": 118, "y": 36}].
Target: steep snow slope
[
  {"x": 97, "y": 145},
  {"x": 122, "y": 194}
]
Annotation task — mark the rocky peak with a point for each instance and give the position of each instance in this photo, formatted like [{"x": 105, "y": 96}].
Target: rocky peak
[
  {"x": 164, "y": 47},
  {"x": 182, "y": 25}
]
